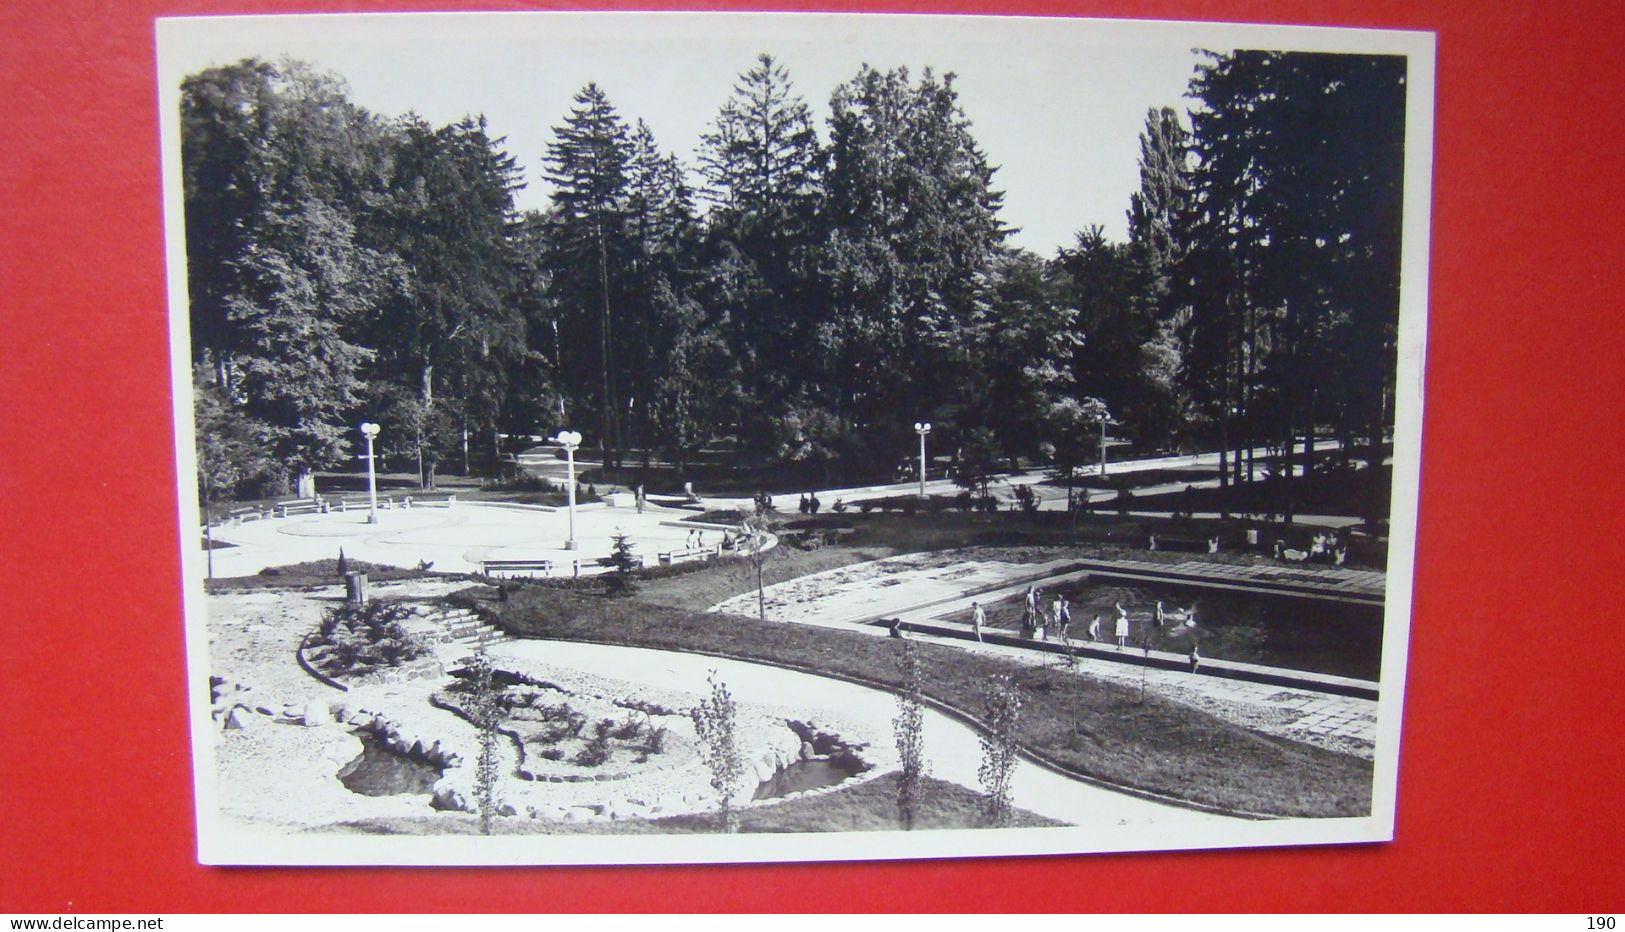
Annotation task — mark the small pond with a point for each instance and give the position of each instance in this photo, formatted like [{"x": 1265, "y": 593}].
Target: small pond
[
  {"x": 378, "y": 771},
  {"x": 809, "y": 775}
]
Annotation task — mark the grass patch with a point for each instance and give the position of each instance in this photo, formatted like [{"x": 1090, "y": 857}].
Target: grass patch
[
  {"x": 318, "y": 573},
  {"x": 1094, "y": 728},
  {"x": 867, "y": 806}
]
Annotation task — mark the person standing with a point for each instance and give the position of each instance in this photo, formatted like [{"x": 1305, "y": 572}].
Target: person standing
[
  {"x": 1121, "y": 631},
  {"x": 1063, "y": 617},
  {"x": 1195, "y": 658},
  {"x": 1094, "y": 627},
  {"x": 978, "y": 617}
]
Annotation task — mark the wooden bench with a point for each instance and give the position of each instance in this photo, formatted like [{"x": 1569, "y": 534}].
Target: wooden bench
[
  {"x": 499, "y": 569},
  {"x": 247, "y": 513},
  {"x": 395, "y": 500},
  {"x": 299, "y": 506},
  {"x": 684, "y": 556}
]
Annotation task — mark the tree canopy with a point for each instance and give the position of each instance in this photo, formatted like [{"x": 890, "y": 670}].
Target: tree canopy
[{"x": 800, "y": 294}]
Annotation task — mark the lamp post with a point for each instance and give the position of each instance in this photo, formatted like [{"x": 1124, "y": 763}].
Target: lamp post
[
  {"x": 569, "y": 440},
  {"x": 370, "y": 431},
  {"x": 922, "y": 428},
  {"x": 1103, "y": 417}
]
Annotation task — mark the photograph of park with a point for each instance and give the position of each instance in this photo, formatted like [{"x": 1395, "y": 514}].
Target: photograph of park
[{"x": 653, "y": 438}]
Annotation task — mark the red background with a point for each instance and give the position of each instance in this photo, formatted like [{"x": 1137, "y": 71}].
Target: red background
[{"x": 1511, "y": 794}]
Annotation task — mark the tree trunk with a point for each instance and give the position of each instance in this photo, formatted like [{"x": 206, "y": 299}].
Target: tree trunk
[
  {"x": 426, "y": 395},
  {"x": 1309, "y": 444},
  {"x": 607, "y": 408}
]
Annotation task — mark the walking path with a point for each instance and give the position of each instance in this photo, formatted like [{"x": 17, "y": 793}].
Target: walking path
[
  {"x": 271, "y": 773},
  {"x": 953, "y": 749},
  {"x": 1051, "y": 498}
]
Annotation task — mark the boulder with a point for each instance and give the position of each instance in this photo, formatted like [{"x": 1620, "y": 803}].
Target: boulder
[
  {"x": 317, "y": 712},
  {"x": 239, "y": 717},
  {"x": 450, "y": 799}
]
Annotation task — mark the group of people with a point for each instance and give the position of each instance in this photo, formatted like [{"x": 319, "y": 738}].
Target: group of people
[
  {"x": 1323, "y": 548},
  {"x": 696, "y": 539},
  {"x": 810, "y": 504},
  {"x": 1036, "y": 621}
]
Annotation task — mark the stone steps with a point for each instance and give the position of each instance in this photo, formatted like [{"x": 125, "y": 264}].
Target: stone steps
[{"x": 460, "y": 626}]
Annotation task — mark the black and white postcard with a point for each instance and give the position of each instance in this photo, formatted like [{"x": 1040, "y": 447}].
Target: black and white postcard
[{"x": 659, "y": 438}]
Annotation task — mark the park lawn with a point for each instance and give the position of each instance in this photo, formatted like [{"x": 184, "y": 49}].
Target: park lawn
[
  {"x": 1096, "y": 729},
  {"x": 865, "y": 807},
  {"x": 318, "y": 573}
]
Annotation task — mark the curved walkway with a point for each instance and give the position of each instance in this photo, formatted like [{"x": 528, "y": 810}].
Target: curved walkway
[{"x": 953, "y": 749}]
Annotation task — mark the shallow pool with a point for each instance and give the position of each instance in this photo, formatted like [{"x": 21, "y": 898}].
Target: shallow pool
[
  {"x": 378, "y": 771},
  {"x": 806, "y": 775}
]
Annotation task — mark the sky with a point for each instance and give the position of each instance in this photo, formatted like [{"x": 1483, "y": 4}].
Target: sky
[{"x": 1058, "y": 105}]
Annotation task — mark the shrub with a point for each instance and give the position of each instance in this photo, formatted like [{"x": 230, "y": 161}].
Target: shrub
[
  {"x": 714, "y": 724},
  {"x": 908, "y": 729},
  {"x": 484, "y": 712},
  {"x": 596, "y": 752},
  {"x": 363, "y": 638},
  {"x": 1001, "y": 719},
  {"x": 619, "y": 583},
  {"x": 657, "y": 740}
]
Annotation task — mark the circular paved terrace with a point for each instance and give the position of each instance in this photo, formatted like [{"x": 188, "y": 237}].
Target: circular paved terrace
[{"x": 454, "y": 539}]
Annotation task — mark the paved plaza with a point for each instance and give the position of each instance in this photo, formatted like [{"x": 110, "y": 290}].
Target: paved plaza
[{"x": 457, "y": 538}]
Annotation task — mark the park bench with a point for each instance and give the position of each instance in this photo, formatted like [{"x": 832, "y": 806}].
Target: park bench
[
  {"x": 299, "y": 506},
  {"x": 395, "y": 500},
  {"x": 1177, "y": 544},
  {"x": 683, "y": 556},
  {"x": 246, "y": 513},
  {"x": 510, "y": 568}
]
